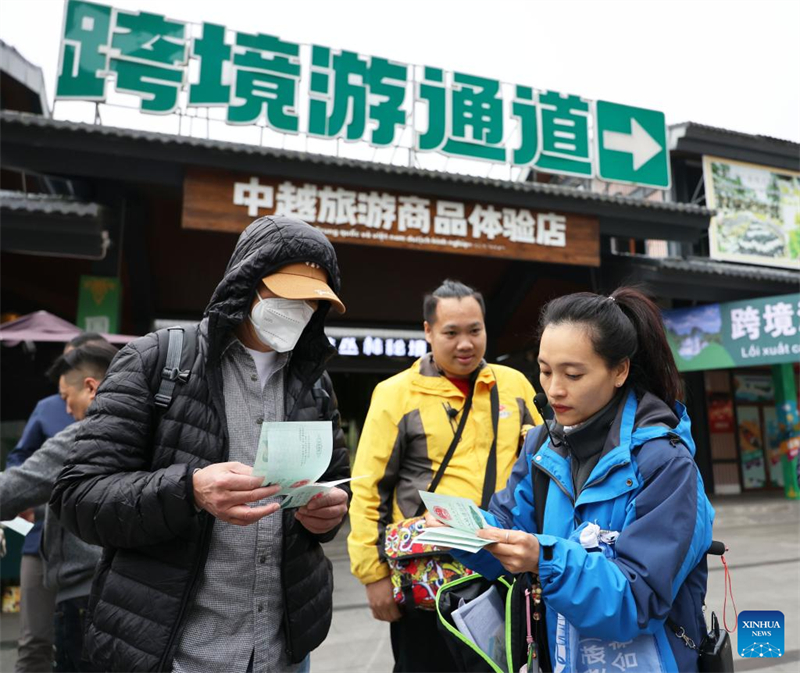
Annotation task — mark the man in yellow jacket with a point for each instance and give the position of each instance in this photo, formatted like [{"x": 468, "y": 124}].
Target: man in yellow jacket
[{"x": 411, "y": 423}]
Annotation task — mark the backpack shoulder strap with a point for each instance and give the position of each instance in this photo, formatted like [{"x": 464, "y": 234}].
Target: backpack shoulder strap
[{"x": 176, "y": 352}]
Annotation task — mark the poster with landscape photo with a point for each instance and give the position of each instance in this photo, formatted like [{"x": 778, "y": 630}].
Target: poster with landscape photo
[
  {"x": 695, "y": 337},
  {"x": 758, "y": 213}
]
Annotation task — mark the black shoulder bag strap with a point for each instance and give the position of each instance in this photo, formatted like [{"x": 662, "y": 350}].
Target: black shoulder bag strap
[
  {"x": 452, "y": 449},
  {"x": 541, "y": 484},
  {"x": 490, "y": 479},
  {"x": 171, "y": 371}
]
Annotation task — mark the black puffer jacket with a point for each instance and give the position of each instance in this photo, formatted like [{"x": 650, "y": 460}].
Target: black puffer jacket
[{"x": 127, "y": 485}]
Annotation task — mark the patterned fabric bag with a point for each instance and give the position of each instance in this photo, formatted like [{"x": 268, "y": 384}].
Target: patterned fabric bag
[{"x": 418, "y": 569}]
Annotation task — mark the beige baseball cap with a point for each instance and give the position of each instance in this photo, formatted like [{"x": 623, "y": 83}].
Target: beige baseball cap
[{"x": 303, "y": 280}]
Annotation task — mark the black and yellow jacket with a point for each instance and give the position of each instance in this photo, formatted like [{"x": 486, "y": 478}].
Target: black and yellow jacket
[{"x": 405, "y": 438}]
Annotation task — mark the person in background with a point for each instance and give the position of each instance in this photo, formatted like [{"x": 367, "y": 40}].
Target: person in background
[
  {"x": 409, "y": 428},
  {"x": 37, "y": 604},
  {"x": 69, "y": 563},
  {"x": 200, "y": 570},
  {"x": 621, "y": 558}
]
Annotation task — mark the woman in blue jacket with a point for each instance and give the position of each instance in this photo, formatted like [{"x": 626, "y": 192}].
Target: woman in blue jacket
[{"x": 621, "y": 557}]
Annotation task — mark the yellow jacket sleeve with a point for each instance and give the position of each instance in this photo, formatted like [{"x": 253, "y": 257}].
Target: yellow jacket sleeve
[{"x": 378, "y": 457}]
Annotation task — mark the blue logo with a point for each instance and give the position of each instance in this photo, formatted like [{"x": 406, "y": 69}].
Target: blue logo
[{"x": 761, "y": 633}]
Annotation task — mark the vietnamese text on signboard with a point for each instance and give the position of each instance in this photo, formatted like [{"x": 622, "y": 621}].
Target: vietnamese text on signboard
[
  {"x": 741, "y": 333},
  {"x": 758, "y": 213},
  {"x": 259, "y": 78},
  {"x": 219, "y": 201}
]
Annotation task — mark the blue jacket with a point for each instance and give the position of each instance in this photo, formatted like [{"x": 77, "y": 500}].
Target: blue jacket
[
  {"x": 649, "y": 490},
  {"x": 48, "y": 419}
]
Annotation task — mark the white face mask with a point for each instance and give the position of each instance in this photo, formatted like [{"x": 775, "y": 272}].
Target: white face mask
[{"x": 278, "y": 323}]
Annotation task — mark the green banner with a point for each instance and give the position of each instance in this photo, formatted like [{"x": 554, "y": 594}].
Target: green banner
[
  {"x": 735, "y": 334},
  {"x": 98, "y": 304}
]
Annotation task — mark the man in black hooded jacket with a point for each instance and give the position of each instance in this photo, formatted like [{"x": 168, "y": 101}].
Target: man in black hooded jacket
[{"x": 199, "y": 572}]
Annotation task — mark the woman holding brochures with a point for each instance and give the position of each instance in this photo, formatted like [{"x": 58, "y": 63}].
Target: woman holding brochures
[{"x": 621, "y": 557}]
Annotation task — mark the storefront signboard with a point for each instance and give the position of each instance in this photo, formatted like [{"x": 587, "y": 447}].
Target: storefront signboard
[
  {"x": 742, "y": 333},
  {"x": 259, "y": 79},
  {"x": 217, "y": 201},
  {"x": 376, "y": 346},
  {"x": 758, "y": 213}
]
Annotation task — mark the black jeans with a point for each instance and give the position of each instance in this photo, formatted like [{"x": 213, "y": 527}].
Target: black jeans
[
  {"x": 69, "y": 628},
  {"x": 418, "y": 646}
]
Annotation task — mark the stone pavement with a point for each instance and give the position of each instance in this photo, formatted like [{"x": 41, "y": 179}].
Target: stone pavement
[
  {"x": 763, "y": 535},
  {"x": 761, "y": 531}
]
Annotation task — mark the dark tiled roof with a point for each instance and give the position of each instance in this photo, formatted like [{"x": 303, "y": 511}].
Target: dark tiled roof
[
  {"x": 48, "y": 204},
  {"x": 705, "y": 266},
  {"x": 14, "y": 118},
  {"x": 705, "y": 128}
]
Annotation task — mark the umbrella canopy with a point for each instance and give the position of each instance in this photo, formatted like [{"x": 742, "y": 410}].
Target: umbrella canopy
[{"x": 44, "y": 326}]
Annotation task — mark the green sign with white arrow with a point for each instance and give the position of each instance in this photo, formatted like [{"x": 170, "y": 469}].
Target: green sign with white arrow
[
  {"x": 168, "y": 66},
  {"x": 631, "y": 145}
]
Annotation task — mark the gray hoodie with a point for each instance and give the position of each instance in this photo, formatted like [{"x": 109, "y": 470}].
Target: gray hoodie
[{"x": 69, "y": 562}]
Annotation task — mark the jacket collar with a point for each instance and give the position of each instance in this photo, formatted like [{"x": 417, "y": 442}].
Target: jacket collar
[
  {"x": 614, "y": 473},
  {"x": 428, "y": 378}
]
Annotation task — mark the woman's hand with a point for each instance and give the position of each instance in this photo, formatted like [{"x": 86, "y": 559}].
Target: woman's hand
[{"x": 516, "y": 550}]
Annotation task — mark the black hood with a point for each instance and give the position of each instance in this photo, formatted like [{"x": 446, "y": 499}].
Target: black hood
[{"x": 266, "y": 245}]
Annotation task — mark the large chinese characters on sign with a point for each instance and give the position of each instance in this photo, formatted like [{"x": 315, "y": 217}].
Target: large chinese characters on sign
[
  {"x": 257, "y": 78},
  {"x": 229, "y": 202}
]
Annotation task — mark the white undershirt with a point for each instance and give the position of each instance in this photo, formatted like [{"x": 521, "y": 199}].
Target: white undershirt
[{"x": 265, "y": 363}]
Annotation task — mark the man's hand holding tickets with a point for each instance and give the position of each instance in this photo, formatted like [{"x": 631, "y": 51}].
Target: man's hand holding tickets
[{"x": 324, "y": 511}]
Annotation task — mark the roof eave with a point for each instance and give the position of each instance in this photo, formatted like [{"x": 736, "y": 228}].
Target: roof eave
[
  {"x": 700, "y": 140},
  {"x": 95, "y": 151}
]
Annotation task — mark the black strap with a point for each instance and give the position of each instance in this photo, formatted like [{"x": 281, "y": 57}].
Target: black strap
[
  {"x": 452, "y": 449},
  {"x": 541, "y": 484},
  {"x": 171, "y": 373},
  {"x": 490, "y": 479}
]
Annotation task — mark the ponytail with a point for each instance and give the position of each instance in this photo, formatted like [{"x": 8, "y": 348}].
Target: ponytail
[
  {"x": 625, "y": 325},
  {"x": 653, "y": 367}
]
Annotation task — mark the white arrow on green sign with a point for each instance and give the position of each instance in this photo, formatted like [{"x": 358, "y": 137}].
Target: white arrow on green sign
[{"x": 631, "y": 145}]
